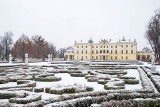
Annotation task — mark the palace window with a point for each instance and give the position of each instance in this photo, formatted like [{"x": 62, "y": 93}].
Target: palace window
[
  {"x": 116, "y": 51},
  {"x": 82, "y": 58},
  {"x": 131, "y": 51},
  {"x": 122, "y": 51},
  {"x": 104, "y": 51},
  {"x": 126, "y": 51}
]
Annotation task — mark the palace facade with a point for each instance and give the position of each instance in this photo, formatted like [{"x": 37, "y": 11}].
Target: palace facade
[{"x": 122, "y": 50}]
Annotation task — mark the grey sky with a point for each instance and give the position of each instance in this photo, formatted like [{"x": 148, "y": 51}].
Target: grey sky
[{"x": 64, "y": 21}]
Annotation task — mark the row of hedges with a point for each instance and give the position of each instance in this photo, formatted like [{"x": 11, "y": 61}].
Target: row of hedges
[
  {"x": 110, "y": 100},
  {"x": 109, "y": 95},
  {"x": 144, "y": 80},
  {"x": 131, "y": 103},
  {"x": 28, "y": 84}
]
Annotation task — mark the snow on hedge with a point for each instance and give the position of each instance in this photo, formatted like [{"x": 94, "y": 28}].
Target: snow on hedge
[
  {"x": 27, "y": 99},
  {"x": 61, "y": 89}
]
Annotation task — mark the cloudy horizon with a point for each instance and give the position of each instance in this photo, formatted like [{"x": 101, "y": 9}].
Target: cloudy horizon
[{"x": 63, "y": 22}]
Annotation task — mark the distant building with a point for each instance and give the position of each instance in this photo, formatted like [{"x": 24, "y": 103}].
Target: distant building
[
  {"x": 104, "y": 50},
  {"x": 144, "y": 55},
  {"x": 69, "y": 55}
]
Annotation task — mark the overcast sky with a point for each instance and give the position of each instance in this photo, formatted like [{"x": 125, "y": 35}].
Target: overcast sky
[{"x": 64, "y": 21}]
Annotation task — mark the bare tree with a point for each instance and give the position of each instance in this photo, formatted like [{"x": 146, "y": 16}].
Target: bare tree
[
  {"x": 23, "y": 45},
  {"x": 52, "y": 49},
  {"x": 40, "y": 47},
  {"x": 153, "y": 33},
  {"x": 7, "y": 41},
  {"x": 61, "y": 52},
  {"x": 1, "y": 51}
]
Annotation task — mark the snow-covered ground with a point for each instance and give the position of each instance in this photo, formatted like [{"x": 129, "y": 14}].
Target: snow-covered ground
[
  {"x": 68, "y": 80},
  {"x": 8, "y": 84},
  {"x": 158, "y": 68}
]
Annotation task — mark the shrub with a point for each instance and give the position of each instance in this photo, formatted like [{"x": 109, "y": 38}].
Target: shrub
[
  {"x": 3, "y": 80},
  {"x": 11, "y": 94},
  {"x": 77, "y": 74},
  {"x": 38, "y": 89},
  {"x": 131, "y": 81},
  {"x": 48, "y": 78},
  {"x": 60, "y": 89},
  {"x": 92, "y": 79},
  {"x": 23, "y": 81},
  {"x": 102, "y": 81},
  {"x": 114, "y": 103},
  {"x": 28, "y": 99}
]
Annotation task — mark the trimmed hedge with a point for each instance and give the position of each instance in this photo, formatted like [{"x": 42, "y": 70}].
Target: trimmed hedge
[
  {"x": 23, "y": 81},
  {"x": 48, "y": 78},
  {"x": 60, "y": 89},
  {"x": 28, "y": 99},
  {"x": 3, "y": 80},
  {"x": 102, "y": 81},
  {"x": 36, "y": 89},
  {"x": 131, "y": 81},
  {"x": 77, "y": 74},
  {"x": 92, "y": 79},
  {"x": 32, "y": 104},
  {"x": 11, "y": 94},
  {"x": 114, "y": 85}
]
